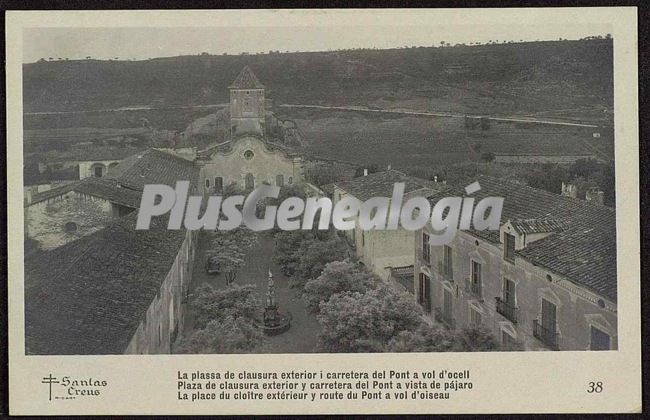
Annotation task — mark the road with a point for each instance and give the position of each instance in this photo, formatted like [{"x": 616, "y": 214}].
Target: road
[{"x": 439, "y": 114}]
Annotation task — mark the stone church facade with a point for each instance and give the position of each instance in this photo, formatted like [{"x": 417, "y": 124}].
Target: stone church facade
[{"x": 248, "y": 159}]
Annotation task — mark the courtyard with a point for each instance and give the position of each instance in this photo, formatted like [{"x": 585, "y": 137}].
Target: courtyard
[{"x": 302, "y": 337}]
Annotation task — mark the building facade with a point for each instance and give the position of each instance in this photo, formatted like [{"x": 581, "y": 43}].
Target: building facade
[
  {"x": 382, "y": 250},
  {"x": 248, "y": 159},
  {"x": 545, "y": 281}
]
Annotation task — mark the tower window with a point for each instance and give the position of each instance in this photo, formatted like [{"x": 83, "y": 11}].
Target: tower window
[
  {"x": 248, "y": 154},
  {"x": 70, "y": 227}
]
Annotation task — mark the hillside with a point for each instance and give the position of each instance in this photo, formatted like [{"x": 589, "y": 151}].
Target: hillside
[{"x": 562, "y": 77}]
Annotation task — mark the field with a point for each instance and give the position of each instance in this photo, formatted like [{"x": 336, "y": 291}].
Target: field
[
  {"x": 423, "y": 142},
  {"x": 143, "y": 103}
]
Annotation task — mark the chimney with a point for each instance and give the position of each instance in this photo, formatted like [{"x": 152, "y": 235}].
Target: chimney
[
  {"x": 365, "y": 172},
  {"x": 569, "y": 190},
  {"x": 595, "y": 195}
]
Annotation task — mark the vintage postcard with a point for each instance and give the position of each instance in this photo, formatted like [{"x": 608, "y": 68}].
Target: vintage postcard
[{"x": 323, "y": 211}]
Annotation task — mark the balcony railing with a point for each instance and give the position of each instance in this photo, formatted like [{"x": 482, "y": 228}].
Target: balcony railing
[
  {"x": 506, "y": 309},
  {"x": 473, "y": 288},
  {"x": 448, "y": 321},
  {"x": 545, "y": 335}
]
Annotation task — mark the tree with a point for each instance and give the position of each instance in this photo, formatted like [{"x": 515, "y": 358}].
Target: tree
[
  {"x": 286, "y": 251},
  {"x": 338, "y": 277},
  {"x": 212, "y": 304},
  {"x": 229, "y": 248},
  {"x": 425, "y": 338},
  {"x": 475, "y": 339},
  {"x": 434, "y": 338},
  {"x": 322, "y": 173},
  {"x": 232, "y": 335},
  {"x": 313, "y": 255},
  {"x": 353, "y": 322}
]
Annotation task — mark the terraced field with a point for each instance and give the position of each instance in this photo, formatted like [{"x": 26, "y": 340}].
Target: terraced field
[{"x": 418, "y": 142}]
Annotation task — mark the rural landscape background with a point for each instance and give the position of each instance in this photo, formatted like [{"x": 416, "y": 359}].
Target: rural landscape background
[
  {"x": 441, "y": 116},
  {"x": 149, "y": 102}
]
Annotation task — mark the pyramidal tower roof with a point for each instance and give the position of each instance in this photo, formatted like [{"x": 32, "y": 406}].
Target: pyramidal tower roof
[{"x": 246, "y": 80}]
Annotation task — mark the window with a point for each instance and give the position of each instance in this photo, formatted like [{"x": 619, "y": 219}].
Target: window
[
  {"x": 506, "y": 304},
  {"x": 475, "y": 283},
  {"x": 508, "y": 247},
  {"x": 509, "y": 292},
  {"x": 99, "y": 171},
  {"x": 447, "y": 305},
  {"x": 207, "y": 183},
  {"x": 279, "y": 180},
  {"x": 290, "y": 180},
  {"x": 474, "y": 317},
  {"x": 426, "y": 248},
  {"x": 248, "y": 103},
  {"x": 249, "y": 182},
  {"x": 549, "y": 316},
  {"x": 363, "y": 238},
  {"x": 70, "y": 227},
  {"x": 448, "y": 263},
  {"x": 600, "y": 340},
  {"x": 424, "y": 292},
  {"x": 507, "y": 341},
  {"x": 248, "y": 154},
  {"x": 218, "y": 184}
]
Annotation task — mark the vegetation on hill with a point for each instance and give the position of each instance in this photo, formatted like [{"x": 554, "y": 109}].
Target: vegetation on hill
[{"x": 508, "y": 77}]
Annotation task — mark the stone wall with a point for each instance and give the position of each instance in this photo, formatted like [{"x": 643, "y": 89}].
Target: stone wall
[
  {"x": 87, "y": 168},
  {"x": 577, "y": 308},
  {"x": 46, "y": 221},
  {"x": 164, "y": 320}
]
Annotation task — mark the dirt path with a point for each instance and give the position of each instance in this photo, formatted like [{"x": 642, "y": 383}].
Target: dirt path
[{"x": 438, "y": 114}]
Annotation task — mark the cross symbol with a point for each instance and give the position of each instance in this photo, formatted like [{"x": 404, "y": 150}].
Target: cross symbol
[{"x": 50, "y": 380}]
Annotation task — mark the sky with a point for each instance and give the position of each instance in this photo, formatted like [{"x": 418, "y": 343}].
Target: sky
[{"x": 141, "y": 43}]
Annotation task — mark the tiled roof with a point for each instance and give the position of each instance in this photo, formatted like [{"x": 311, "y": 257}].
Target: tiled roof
[
  {"x": 544, "y": 225},
  {"x": 110, "y": 190},
  {"x": 380, "y": 184},
  {"x": 105, "y": 188},
  {"x": 583, "y": 250},
  {"x": 153, "y": 167},
  {"x": 93, "y": 153},
  {"x": 54, "y": 192},
  {"x": 226, "y": 146},
  {"x": 246, "y": 80},
  {"x": 90, "y": 295}
]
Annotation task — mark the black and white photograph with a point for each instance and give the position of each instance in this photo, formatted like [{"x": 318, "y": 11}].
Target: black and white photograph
[{"x": 306, "y": 189}]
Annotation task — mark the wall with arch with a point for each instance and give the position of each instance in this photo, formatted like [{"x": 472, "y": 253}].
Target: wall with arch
[
  {"x": 250, "y": 158},
  {"x": 87, "y": 168}
]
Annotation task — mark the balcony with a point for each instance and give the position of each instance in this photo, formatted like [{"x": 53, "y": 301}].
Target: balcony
[
  {"x": 473, "y": 289},
  {"x": 507, "y": 310},
  {"x": 441, "y": 317},
  {"x": 547, "y": 336}
]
